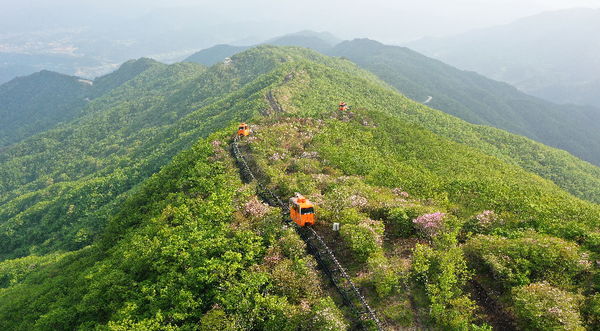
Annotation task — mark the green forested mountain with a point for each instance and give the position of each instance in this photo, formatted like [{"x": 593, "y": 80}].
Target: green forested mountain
[
  {"x": 467, "y": 95},
  {"x": 117, "y": 141},
  {"x": 36, "y": 103},
  {"x": 33, "y": 104},
  {"x": 138, "y": 218},
  {"x": 320, "y": 42}
]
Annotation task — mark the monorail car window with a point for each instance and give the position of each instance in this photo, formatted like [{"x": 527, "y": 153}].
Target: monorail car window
[{"x": 309, "y": 210}]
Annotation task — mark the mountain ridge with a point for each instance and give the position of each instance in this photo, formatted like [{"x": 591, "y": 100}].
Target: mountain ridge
[{"x": 163, "y": 232}]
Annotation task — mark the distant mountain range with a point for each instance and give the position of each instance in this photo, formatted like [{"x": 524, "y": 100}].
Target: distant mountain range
[{"x": 554, "y": 55}]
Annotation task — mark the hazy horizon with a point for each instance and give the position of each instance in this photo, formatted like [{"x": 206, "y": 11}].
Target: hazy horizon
[
  {"x": 391, "y": 22},
  {"x": 89, "y": 38}
]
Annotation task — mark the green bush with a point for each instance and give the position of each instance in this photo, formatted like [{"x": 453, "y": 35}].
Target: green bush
[
  {"x": 591, "y": 312},
  {"x": 383, "y": 275},
  {"x": 539, "y": 306},
  {"x": 443, "y": 273},
  {"x": 364, "y": 238},
  {"x": 534, "y": 258},
  {"x": 402, "y": 223}
]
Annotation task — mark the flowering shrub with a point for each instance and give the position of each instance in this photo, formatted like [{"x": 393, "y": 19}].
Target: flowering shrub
[
  {"x": 430, "y": 224},
  {"x": 277, "y": 156},
  {"x": 255, "y": 208},
  {"x": 539, "y": 306},
  {"x": 357, "y": 201},
  {"x": 487, "y": 218},
  {"x": 398, "y": 191},
  {"x": 328, "y": 317},
  {"x": 483, "y": 223},
  {"x": 310, "y": 155}
]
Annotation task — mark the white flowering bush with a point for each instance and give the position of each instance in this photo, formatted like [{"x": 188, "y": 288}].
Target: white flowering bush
[
  {"x": 484, "y": 222},
  {"x": 328, "y": 317},
  {"x": 255, "y": 208}
]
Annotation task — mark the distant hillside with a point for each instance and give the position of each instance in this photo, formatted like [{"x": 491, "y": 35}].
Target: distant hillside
[
  {"x": 320, "y": 42},
  {"x": 467, "y": 95},
  {"x": 553, "y": 55},
  {"x": 36, "y": 103},
  {"x": 312, "y": 42},
  {"x": 479, "y": 100},
  {"x": 212, "y": 55},
  {"x": 127, "y": 71}
]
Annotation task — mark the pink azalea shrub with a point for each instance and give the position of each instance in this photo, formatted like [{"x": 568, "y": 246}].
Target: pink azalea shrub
[{"x": 430, "y": 224}]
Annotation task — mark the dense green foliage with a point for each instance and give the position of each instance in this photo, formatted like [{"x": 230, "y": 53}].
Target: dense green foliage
[
  {"x": 133, "y": 216},
  {"x": 353, "y": 166},
  {"x": 179, "y": 255}
]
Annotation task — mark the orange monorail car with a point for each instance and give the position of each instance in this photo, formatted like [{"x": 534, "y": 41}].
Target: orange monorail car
[
  {"x": 243, "y": 129},
  {"x": 302, "y": 211}
]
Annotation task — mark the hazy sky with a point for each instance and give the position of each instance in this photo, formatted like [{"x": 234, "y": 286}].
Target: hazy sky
[{"x": 389, "y": 21}]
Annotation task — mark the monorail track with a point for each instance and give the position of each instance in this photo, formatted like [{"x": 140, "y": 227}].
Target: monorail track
[{"x": 339, "y": 277}]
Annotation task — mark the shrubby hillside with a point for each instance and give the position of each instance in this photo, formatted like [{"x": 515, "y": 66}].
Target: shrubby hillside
[
  {"x": 139, "y": 219},
  {"x": 58, "y": 188},
  {"x": 479, "y": 100},
  {"x": 467, "y": 95}
]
